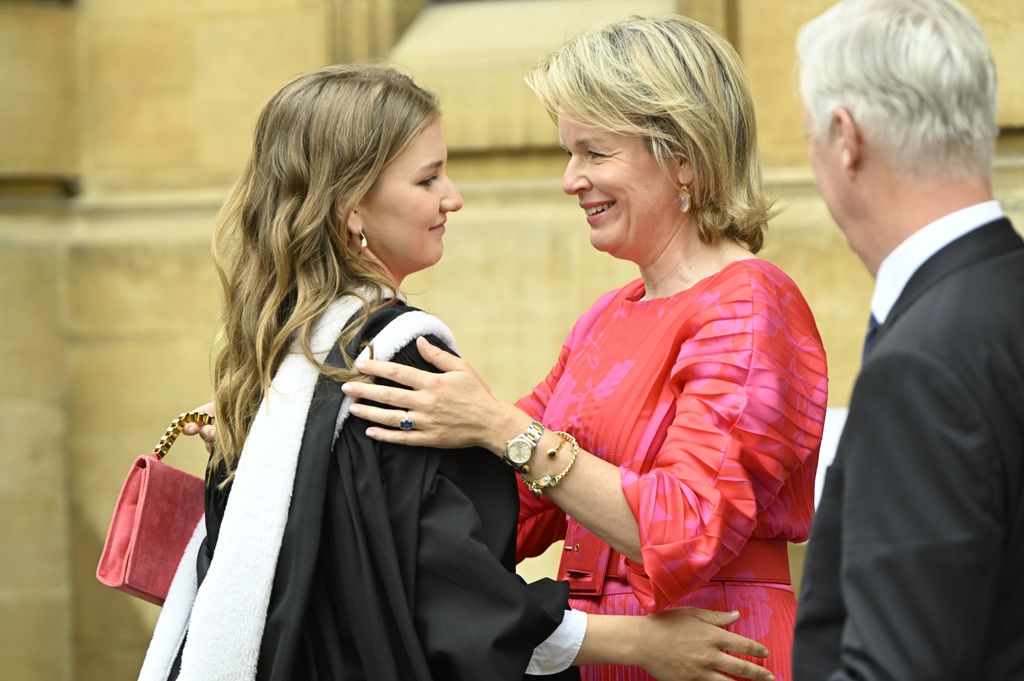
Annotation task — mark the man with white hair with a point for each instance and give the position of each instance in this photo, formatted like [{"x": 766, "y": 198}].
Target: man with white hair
[{"x": 915, "y": 568}]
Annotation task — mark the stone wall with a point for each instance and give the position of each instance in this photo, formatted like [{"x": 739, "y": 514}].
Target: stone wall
[{"x": 143, "y": 111}]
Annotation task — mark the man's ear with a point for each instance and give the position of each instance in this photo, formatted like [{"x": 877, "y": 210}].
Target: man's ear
[{"x": 850, "y": 143}]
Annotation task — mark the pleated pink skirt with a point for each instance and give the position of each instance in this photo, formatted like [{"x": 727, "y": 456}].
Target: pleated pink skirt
[{"x": 767, "y": 615}]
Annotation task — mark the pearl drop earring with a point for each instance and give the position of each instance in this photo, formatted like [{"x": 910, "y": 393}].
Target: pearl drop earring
[{"x": 684, "y": 199}]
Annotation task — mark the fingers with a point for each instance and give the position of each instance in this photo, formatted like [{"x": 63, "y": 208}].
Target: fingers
[
  {"x": 719, "y": 619},
  {"x": 741, "y": 646},
  {"x": 383, "y": 394},
  {"x": 194, "y": 428},
  {"x": 398, "y": 373},
  {"x": 391, "y": 418},
  {"x": 207, "y": 433},
  {"x": 385, "y": 417},
  {"x": 209, "y": 436},
  {"x": 742, "y": 668},
  {"x": 445, "y": 361}
]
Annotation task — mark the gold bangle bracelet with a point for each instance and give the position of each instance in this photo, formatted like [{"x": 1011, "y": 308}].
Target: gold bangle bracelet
[{"x": 544, "y": 482}]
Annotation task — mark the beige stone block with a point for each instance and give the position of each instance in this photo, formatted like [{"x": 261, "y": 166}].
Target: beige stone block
[
  {"x": 35, "y": 638},
  {"x": 107, "y": 11},
  {"x": 38, "y": 88},
  {"x": 714, "y": 13},
  {"x": 475, "y": 56},
  {"x": 111, "y": 628},
  {"x": 139, "y": 134},
  {"x": 353, "y": 39},
  {"x": 1003, "y": 21},
  {"x": 141, "y": 57},
  {"x": 245, "y": 59},
  {"x": 123, "y": 394},
  {"x": 767, "y": 44},
  {"x": 159, "y": 287},
  {"x": 797, "y": 556},
  {"x": 33, "y": 496},
  {"x": 139, "y": 95},
  {"x": 767, "y": 38},
  {"x": 805, "y": 242},
  {"x": 99, "y": 659},
  {"x": 544, "y": 565},
  {"x": 31, "y": 360}
]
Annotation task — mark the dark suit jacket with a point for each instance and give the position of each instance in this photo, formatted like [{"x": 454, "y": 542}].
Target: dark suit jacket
[{"x": 915, "y": 568}]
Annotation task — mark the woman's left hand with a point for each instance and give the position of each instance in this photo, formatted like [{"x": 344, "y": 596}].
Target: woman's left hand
[{"x": 449, "y": 410}]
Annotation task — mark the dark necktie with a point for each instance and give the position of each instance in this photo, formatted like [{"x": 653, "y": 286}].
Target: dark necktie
[{"x": 869, "y": 337}]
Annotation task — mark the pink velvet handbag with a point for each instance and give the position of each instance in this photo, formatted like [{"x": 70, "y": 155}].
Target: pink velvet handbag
[{"x": 154, "y": 518}]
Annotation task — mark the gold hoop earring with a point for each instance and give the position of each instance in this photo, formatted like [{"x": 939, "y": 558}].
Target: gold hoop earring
[
  {"x": 362, "y": 241},
  {"x": 684, "y": 199}
]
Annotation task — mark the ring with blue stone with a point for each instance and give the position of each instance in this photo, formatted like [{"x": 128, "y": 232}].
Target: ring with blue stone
[{"x": 406, "y": 423}]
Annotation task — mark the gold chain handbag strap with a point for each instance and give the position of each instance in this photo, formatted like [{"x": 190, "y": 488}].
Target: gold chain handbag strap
[{"x": 174, "y": 430}]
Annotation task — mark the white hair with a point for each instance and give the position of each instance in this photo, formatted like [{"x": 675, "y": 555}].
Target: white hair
[{"x": 915, "y": 75}]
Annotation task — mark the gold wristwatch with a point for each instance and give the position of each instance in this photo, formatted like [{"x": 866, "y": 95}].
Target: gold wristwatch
[{"x": 519, "y": 449}]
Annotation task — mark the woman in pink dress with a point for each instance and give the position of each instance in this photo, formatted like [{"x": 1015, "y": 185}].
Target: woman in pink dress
[{"x": 674, "y": 443}]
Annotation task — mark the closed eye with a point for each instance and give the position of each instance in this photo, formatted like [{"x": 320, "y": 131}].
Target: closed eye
[{"x": 428, "y": 181}]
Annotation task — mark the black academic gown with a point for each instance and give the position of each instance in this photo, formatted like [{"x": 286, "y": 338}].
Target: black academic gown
[{"x": 397, "y": 563}]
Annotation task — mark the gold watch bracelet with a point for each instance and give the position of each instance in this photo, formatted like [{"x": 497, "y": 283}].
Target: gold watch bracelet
[{"x": 548, "y": 481}]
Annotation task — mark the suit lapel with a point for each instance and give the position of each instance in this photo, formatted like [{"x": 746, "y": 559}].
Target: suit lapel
[{"x": 988, "y": 241}]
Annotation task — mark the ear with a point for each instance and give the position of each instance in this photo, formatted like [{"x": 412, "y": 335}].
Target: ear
[
  {"x": 684, "y": 172},
  {"x": 355, "y": 223},
  {"x": 848, "y": 140}
]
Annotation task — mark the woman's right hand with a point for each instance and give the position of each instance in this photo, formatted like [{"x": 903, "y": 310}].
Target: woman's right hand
[
  {"x": 689, "y": 643},
  {"x": 207, "y": 433},
  {"x": 681, "y": 644}
]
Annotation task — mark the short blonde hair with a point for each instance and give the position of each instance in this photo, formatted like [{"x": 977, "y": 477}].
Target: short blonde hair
[{"x": 680, "y": 86}]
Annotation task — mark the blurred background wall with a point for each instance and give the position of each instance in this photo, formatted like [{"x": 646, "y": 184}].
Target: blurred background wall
[{"x": 124, "y": 123}]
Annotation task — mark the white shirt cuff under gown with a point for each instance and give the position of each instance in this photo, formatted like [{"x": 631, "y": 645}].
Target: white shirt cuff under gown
[{"x": 560, "y": 649}]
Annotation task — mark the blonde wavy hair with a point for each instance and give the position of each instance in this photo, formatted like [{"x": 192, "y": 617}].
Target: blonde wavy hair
[
  {"x": 680, "y": 86},
  {"x": 282, "y": 247}
]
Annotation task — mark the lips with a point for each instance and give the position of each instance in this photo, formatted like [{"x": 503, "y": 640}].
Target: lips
[{"x": 596, "y": 209}]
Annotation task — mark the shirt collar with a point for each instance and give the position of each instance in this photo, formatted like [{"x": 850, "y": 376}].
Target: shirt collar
[{"x": 897, "y": 268}]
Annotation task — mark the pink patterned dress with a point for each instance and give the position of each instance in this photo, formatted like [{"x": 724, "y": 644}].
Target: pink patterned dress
[{"x": 711, "y": 402}]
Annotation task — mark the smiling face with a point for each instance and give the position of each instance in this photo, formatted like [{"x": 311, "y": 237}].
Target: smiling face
[
  {"x": 403, "y": 216},
  {"x": 631, "y": 202}
]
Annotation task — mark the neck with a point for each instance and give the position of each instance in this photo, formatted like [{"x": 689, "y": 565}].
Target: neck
[
  {"x": 903, "y": 207},
  {"x": 684, "y": 261}
]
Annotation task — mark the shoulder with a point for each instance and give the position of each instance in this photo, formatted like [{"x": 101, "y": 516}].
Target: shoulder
[
  {"x": 766, "y": 286},
  {"x": 392, "y": 333},
  {"x": 971, "y": 320},
  {"x": 755, "y": 296}
]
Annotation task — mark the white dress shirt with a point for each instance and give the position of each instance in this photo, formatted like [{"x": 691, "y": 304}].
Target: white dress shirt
[
  {"x": 900, "y": 265},
  {"x": 559, "y": 650}
]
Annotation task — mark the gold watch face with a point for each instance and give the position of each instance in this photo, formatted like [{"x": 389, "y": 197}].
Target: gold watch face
[{"x": 519, "y": 451}]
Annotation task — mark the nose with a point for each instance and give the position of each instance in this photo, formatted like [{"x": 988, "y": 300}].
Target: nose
[
  {"x": 573, "y": 181},
  {"x": 452, "y": 200}
]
